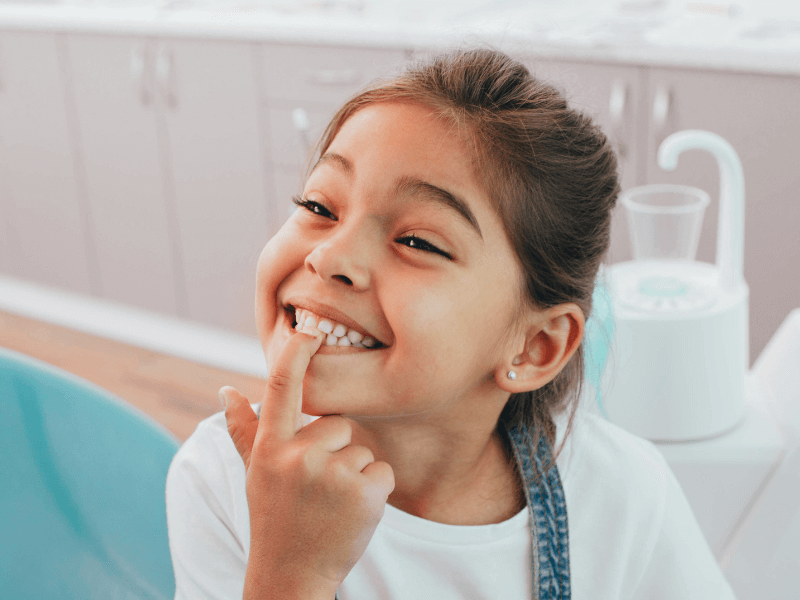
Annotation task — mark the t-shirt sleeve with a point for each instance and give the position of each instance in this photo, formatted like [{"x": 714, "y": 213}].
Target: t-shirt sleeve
[
  {"x": 681, "y": 565},
  {"x": 203, "y": 517}
]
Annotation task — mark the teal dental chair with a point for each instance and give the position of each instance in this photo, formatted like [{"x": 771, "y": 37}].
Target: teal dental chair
[{"x": 82, "y": 476}]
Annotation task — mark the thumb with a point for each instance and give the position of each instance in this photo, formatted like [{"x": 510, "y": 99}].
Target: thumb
[{"x": 242, "y": 421}]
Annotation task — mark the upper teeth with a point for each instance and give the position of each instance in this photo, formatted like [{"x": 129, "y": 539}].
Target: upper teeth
[{"x": 338, "y": 334}]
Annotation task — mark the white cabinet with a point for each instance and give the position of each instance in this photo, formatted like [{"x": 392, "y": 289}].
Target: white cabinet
[
  {"x": 132, "y": 220},
  {"x": 217, "y": 163},
  {"x": 42, "y": 210},
  {"x": 760, "y": 116},
  {"x": 175, "y": 173}
]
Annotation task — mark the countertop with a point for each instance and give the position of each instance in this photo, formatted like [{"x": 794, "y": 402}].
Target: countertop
[{"x": 751, "y": 36}]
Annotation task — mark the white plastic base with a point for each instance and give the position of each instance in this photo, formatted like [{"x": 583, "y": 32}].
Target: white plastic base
[
  {"x": 763, "y": 558},
  {"x": 721, "y": 477}
]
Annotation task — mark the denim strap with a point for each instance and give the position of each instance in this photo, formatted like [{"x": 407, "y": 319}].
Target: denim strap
[{"x": 548, "y": 516}]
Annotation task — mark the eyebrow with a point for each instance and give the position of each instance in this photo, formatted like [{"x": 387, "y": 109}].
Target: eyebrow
[
  {"x": 412, "y": 186},
  {"x": 336, "y": 160}
]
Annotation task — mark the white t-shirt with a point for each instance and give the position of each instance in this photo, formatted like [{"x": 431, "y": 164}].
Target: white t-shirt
[{"x": 632, "y": 533}]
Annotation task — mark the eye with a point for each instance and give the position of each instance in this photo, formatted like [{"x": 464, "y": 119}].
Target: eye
[
  {"x": 314, "y": 207},
  {"x": 413, "y": 241}
]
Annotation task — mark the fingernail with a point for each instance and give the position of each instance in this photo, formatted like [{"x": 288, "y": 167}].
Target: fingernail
[
  {"x": 223, "y": 399},
  {"x": 311, "y": 331}
]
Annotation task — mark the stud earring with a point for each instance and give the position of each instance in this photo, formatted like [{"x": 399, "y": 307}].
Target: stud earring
[{"x": 512, "y": 375}]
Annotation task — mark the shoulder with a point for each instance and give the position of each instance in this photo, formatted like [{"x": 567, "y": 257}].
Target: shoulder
[
  {"x": 616, "y": 488},
  {"x": 600, "y": 453}
]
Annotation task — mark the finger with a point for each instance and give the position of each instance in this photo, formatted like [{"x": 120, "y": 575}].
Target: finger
[
  {"x": 329, "y": 433},
  {"x": 355, "y": 457},
  {"x": 381, "y": 479},
  {"x": 242, "y": 421},
  {"x": 280, "y": 409}
]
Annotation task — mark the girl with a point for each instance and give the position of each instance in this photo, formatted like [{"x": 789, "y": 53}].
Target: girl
[{"x": 427, "y": 303}]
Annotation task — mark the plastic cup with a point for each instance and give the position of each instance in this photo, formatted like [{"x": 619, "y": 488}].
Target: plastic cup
[{"x": 665, "y": 221}]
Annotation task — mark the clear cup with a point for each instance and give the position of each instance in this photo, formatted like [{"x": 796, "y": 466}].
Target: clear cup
[{"x": 665, "y": 221}]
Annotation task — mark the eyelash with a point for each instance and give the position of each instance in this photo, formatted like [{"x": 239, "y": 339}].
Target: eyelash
[{"x": 419, "y": 243}]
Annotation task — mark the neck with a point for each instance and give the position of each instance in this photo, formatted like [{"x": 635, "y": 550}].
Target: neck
[{"x": 458, "y": 477}]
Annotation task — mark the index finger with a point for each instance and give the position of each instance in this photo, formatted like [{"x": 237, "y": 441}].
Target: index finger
[{"x": 280, "y": 408}]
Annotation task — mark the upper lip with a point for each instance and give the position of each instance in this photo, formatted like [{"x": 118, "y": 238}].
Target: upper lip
[{"x": 323, "y": 310}]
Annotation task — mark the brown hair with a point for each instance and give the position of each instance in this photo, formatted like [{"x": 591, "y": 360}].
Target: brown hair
[{"x": 551, "y": 174}]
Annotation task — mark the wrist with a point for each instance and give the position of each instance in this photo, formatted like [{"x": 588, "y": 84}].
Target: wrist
[{"x": 263, "y": 585}]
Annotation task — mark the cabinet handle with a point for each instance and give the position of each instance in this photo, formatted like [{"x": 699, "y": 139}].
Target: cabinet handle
[
  {"x": 302, "y": 125},
  {"x": 662, "y": 112},
  {"x": 140, "y": 60},
  {"x": 165, "y": 73},
  {"x": 334, "y": 77},
  {"x": 618, "y": 108},
  {"x": 2, "y": 65}
]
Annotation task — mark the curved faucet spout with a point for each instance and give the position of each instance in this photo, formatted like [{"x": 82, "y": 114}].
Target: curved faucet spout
[{"x": 730, "y": 229}]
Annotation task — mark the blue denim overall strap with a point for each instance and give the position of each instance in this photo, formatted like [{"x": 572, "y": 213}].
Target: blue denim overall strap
[{"x": 548, "y": 515}]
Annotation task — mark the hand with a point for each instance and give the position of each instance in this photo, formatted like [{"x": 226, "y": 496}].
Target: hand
[{"x": 314, "y": 499}]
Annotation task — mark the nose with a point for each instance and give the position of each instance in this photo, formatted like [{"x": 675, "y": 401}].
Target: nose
[{"x": 342, "y": 257}]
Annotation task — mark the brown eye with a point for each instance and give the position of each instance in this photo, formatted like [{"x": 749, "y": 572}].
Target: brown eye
[
  {"x": 413, "y": 241},
  {"x": 314, "y": 207}
]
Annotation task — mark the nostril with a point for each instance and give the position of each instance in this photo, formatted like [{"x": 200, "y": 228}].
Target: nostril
[{"x": 343, "y": 279}]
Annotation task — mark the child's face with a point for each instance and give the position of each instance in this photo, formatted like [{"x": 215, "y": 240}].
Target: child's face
[{"x": 441, "y": 320}]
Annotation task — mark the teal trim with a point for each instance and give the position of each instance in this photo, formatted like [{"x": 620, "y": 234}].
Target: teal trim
[{"x": 599, "y": 335}]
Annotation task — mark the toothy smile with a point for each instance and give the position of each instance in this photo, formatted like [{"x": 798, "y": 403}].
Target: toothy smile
[{"x": 337, "y": 334}]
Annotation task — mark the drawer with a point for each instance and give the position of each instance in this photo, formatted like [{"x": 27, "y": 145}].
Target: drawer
[{"x": 324, "y": 74}]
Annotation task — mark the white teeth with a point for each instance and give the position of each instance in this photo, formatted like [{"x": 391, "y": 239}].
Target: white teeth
[{"x": 338, "y": 334}]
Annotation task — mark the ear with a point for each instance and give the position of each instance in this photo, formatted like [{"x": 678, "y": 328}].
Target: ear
[{"x": 547, "y": 346}]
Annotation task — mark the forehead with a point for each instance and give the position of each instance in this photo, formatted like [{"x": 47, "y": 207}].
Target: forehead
[{"x": 410, "y": 137}]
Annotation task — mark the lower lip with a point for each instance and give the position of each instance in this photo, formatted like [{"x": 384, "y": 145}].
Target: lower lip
[{"x": 325, "y": 349}]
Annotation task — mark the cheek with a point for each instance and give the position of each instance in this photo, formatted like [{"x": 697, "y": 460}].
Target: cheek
[
  {"x": 426, "y": 316},
  {"x": 278, "y": 260}
]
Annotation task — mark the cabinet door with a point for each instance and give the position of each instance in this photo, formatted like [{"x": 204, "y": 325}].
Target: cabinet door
[
  {"x": 131, "y": 219},
  {"x": 759, "y": 116},
  {"x": 212, "y": 120},
  {"x": 41, "y": 206},
  {"x": 611, "y": 96}
]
